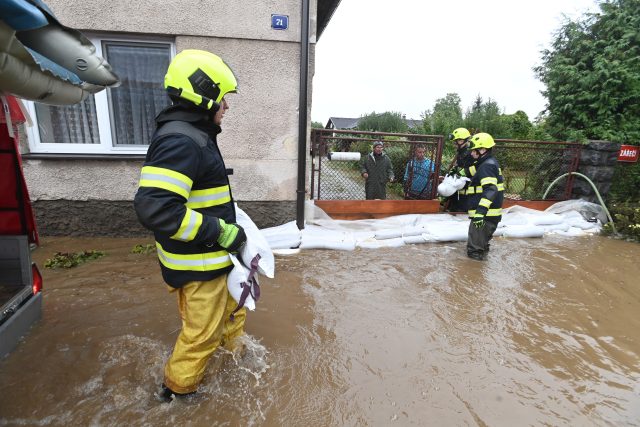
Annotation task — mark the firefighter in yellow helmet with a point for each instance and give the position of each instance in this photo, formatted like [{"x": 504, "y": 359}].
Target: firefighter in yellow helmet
[
  {"x": 184, "y": 197},
  {"x": 463, "y": 166},
  {"x": 486, "y": 193}
]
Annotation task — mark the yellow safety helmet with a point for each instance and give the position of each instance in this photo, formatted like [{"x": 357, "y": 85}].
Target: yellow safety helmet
[
  {"x": 200, "y": 77},
  {"x": 460, "y": 133},
  {"x": 482, "y": 140}
]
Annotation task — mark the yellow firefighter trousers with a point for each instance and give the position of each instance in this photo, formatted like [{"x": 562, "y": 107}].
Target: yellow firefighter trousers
[{"x": 204, "y": 308}]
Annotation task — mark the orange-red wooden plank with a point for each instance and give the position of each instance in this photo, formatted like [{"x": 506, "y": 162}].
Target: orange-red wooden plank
[{"x": 367, "y": 209}]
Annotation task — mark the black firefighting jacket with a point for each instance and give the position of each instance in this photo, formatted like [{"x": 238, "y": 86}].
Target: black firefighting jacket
[
  {"x": 184, "y": 189},
  {"x": 486, "y": 190}
]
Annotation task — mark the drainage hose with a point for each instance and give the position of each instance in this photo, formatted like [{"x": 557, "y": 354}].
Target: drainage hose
[{"x": 613, "y": 226}]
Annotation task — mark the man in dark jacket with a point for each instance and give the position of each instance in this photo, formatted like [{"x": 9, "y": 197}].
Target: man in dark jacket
[
  {"x": 486, "y": 194},
  {"x": 185, "y": 199},
  {"x": 377, "y": 171}
]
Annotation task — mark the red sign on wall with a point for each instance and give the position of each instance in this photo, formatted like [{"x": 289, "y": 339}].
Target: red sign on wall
[{"x": 629, "y": 153}]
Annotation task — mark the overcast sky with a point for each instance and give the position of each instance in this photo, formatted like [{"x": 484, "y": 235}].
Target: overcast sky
[{"x": 402, "y": 55}]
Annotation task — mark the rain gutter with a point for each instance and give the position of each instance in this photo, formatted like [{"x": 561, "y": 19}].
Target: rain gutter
[{"x": 302, "y": 114}]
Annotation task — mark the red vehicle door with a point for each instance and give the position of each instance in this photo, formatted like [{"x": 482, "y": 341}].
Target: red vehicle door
[{"x": 16, "y": 214}]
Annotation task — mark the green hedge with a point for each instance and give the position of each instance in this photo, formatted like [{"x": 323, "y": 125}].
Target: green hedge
[{"x": 627, "y": 220}]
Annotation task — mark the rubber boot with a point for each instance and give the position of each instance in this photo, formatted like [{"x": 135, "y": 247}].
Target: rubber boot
[{"x": 167, "y": 395}]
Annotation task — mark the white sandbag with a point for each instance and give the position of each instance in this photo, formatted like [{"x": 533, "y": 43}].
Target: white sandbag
[
  {"x": 413, "y": 230},
  {"x": 286, "y": 228},
  {"x": 286, "y": 252},
  {"x": 343, "y": 156},
  {"x": 411, "y": 240},
  {"x": 575, "y": 219},
  {"x": 359, "y": 236},
  {"x": 550, "y": 229},
  {"x": 256, "y": 244},
  {"x": 514, "y": 218},
  {"x": 572, "y": 232},
  {"x": 523, "y": 231},
  {"x": 386, "y": 243},
  {"x": 235, "y": 280},
  {"x": 545, "y": 219},
  {"x": 450, "y": 184},
  {"x": 290, "y": 242},
  {"x": 283, "y": 236},
  {"x": 390, "y": 233},
  {"x": 532, "y": 216},
  {"x": 448, "y": 232},
  {"x": 314, "y": 237}
]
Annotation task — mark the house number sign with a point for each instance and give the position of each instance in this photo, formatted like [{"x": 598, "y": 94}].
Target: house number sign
[{"x": 279, "y": 22}]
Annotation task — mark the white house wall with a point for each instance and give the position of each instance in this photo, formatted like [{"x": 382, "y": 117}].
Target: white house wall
[{"x": 260, "y": 132}]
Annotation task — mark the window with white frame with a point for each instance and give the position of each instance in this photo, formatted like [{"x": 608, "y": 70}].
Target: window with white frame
[{"x": 116, "y": 120}]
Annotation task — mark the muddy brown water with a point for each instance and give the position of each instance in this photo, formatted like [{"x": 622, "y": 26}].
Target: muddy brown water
[{"x": 545, "y": 332}]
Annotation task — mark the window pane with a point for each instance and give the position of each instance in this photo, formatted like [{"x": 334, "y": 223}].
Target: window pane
[
  {"x": 69, "y": 124},
  {"x": 141, "y": 96}
]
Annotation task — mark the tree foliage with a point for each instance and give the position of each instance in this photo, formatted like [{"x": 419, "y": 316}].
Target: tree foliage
[
  {"x": 517, "y": 125},
  {"x": 383, "y": 122},
  {"x": 485, "y": 117},
  {"x": 445, "y": 116},
  {"x": 592, "y": 75}
]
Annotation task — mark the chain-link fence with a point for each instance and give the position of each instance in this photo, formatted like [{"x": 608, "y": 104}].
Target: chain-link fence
[
  {"x": 338, "y": 157},
  {"x": 529, "y": 167}
]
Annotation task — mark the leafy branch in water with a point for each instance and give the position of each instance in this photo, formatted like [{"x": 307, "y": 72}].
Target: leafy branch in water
[
  {"x": 71, "y": 259},
  {"x": 144, "y": 249},
  {"x": 627, "y": 218}
]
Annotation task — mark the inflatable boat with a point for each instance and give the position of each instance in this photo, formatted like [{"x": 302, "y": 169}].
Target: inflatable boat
[{"x": 42, "y": 60}]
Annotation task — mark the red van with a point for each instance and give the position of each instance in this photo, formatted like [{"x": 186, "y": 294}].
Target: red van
[{"x": 20, "y": 280}]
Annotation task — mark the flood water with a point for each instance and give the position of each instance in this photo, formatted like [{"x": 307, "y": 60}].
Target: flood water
[{"x": 545, "y": 332}]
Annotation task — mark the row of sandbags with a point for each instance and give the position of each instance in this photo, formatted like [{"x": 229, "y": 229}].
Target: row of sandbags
[{"x": 517, "y": 222}]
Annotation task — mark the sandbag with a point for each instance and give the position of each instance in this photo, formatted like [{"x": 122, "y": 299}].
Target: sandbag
[
  {"x": 450, "y": 184},
  {"x": 343, "y": 156},
  {"x": 386, "y": 243},
  {"x": 575, "y": 219},
  {"x": 448, "y": 232},
  {"x": 286, "y": 252},
  {"x": 514, "y": 218},
  {"x": 545, "y": 219},
  {"x": 523, "y": 231},
  {"x": 236, "y": 280},
  {"x": 289, "y": 242},
  {"x": 332, "y": 240},
  {"x": 360, "y": 236},
  {"x": 549, "y": 229},
  {"x": 256, "y": 244},
  {"x": 283, "y": 236},
  {"x": 572, "y": 232},
  {"x": 410, "y": 240}
]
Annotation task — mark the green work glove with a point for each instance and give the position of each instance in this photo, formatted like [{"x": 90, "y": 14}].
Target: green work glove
[
  {"x": 231, "y": 236},
  {"x": 478, "y": 221}
]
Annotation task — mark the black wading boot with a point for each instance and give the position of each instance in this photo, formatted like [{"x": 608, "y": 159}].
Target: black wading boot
[{"x": 167, "y": 395}]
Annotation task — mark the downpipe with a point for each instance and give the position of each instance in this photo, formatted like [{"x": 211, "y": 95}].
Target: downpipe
[{"x": 302, "y": 114}]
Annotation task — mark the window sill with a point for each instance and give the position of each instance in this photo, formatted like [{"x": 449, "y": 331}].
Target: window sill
[{"x": 59, "y": 156}]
